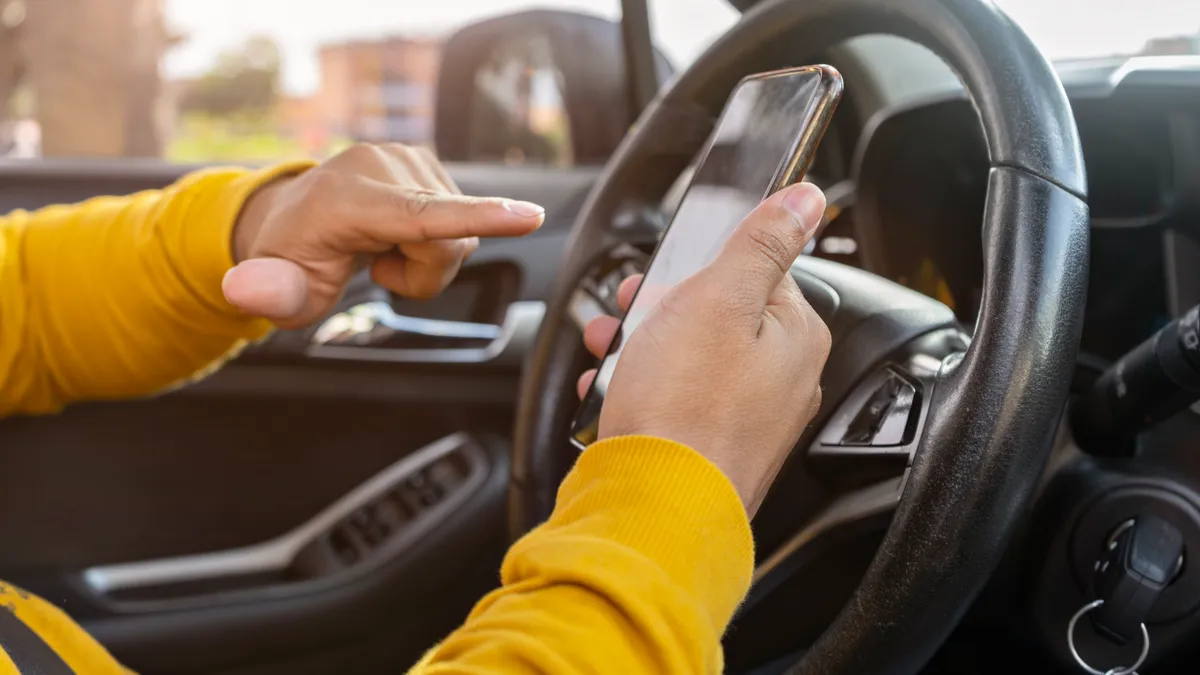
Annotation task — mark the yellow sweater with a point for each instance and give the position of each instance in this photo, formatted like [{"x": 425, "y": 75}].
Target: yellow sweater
[{"x": 639, "y": 569}]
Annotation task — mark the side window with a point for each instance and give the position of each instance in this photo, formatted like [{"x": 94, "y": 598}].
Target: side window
[{"x": 255, "y": 81}]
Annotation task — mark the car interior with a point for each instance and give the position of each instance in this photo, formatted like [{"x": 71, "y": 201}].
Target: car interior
[{"x": 1009, "y": 265}]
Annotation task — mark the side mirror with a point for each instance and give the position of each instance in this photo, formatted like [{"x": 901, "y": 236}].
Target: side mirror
[{"x": 537, "y": 87}]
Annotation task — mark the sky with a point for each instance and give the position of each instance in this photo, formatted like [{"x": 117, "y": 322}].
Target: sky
[{"x": 682, "y": 28}]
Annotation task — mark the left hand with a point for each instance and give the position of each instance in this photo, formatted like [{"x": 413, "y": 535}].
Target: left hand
[{"x": 297, "y": 241}]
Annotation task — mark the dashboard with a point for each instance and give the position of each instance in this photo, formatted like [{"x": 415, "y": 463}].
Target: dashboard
[{"x": 919, "y": 179}]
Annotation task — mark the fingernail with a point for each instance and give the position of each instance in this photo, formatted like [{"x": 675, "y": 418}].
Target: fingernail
[
  {"x": 525, "y": 209},
  {"x": 806, "y": 203}
]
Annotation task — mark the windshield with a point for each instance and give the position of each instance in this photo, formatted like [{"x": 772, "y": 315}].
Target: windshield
[
  {"x": 1063, "y": 29},
  {"x": 1084, "y": 29},
  {"x": 209, "y": 28}
]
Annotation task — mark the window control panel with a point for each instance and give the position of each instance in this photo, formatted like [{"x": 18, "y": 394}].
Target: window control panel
[{"x": 381, "y": 520}]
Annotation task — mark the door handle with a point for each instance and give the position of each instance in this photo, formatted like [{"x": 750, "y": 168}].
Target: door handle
[
  {"x": 363, "y": 333},
  {"x": 372, "y": 324}
]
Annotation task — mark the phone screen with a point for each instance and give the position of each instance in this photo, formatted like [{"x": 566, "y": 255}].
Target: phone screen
[{"x": 763, "y": 141}]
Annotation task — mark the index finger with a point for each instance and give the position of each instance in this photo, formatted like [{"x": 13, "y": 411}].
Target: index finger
[{"x": 402, "y": 215}]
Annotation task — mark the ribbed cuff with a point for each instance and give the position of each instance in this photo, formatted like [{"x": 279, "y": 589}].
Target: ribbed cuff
[{"x": 671, "y": 504}]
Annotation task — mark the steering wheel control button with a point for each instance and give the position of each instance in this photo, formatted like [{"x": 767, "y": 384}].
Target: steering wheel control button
[
  {"x": 1139, "y": 562},
  {"x": 883, "y": 419},
  {"x": 879, "y": 414},
  {"x": 596, "y": 292}
]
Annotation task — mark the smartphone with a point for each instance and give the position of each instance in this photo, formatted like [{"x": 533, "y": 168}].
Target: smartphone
[{"x": 764, "y": 140}]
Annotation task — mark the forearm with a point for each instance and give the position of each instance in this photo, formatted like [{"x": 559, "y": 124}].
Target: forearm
[
  {"x": 120, "y": 297},
  {"x": 639, "y": 570}
]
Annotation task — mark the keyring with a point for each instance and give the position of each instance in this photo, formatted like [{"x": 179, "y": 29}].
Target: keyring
[{"x": 1112, "y": 671}]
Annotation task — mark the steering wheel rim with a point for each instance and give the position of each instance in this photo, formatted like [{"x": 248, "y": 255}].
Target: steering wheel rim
[{"x": 994, "y": 413}]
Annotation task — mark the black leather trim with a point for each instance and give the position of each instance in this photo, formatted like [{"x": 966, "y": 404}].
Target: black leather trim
[{"x": 27, "y": 650}]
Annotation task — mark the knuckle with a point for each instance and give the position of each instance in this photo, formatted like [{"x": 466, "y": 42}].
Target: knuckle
[
  {"x": 325, "y": 182},
  {"x": 360, "y": 152},
  {"x": 413, "y": 203},
  {"x": 772, "y": 246},
  {"x": 671, "y": 305},
  {"x": 399, "y": 151}
]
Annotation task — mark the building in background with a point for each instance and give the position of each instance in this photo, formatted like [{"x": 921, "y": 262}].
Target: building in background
[
  {"x": 300, "y": 118},
  {"x": 379, "y": 91}
]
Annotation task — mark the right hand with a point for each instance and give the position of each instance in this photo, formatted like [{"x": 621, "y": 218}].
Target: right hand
[
  {"x": 298, "y": 240},
  {"x": 729, "y": 361}
]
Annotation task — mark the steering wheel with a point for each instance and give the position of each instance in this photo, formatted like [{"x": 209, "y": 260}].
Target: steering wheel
[{"x": 980, "y": 422}]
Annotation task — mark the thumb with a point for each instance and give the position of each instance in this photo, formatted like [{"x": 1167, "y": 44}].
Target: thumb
[
  {"x": 762, "y": 249},
  {"x": 272, "y": 288}
]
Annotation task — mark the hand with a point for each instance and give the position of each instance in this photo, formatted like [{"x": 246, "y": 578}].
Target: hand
[
  {"x": 729, "y": 361},
  {"x": 297, "y": 241}
]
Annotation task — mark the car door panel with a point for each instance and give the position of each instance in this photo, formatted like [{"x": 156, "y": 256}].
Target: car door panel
[{"x": 264, "y": 448}]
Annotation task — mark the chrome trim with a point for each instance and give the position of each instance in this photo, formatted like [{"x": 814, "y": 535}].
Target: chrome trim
[
  {"x": 584, "y": 307},
  {"x": 510, "y": 341},
  {"x": 870, "y": 501},
  {"x": 365, "y": 324},
  {"x": 276, "y": 554},
  {"x": 918, "y": 369}
]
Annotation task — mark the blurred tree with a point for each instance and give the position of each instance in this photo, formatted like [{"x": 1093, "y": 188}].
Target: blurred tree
[
  {"x": 245, "y": 80},
  {"x": 144, "y": 121},
  {"x": 93, "y": 67},
  {"x": 12, "y": 15}
]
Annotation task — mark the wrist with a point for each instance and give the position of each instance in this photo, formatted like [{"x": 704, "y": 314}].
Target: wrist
[{"x": 254, "y": 213}]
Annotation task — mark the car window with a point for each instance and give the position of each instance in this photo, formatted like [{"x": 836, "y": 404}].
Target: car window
[
  {"x": 260, "y": 80},
  {"x": 684, "y": 28}
]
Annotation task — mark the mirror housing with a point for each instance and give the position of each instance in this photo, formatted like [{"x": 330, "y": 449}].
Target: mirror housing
[{"x": 538, "y": 87}]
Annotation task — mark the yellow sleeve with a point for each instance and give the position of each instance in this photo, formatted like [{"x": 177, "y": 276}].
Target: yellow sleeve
[
  {"x": 36, "y": 637},
  {"x": 639, "y": 570},
  {"x": 120, "y": 297}
]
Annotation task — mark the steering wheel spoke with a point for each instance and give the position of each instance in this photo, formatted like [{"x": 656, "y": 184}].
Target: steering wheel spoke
[
  {"x": 867, "y": 507},
  {"x": 596, "y": 292},
  {"x": 883, "y": 416}
]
